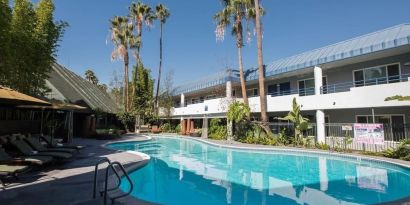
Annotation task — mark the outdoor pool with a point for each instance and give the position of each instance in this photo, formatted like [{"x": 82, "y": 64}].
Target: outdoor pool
[{"x": 186, "y": 171}]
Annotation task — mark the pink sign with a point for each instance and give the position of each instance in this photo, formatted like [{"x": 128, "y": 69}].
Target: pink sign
[{"x": 369, "y": 133}]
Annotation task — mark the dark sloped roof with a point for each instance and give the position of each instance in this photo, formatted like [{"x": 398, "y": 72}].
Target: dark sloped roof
[{"x": 77, "y": 90}]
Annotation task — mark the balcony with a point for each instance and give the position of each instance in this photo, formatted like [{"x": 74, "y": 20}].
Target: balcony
[
  {"x": 347, "y": 86},
  {"x": 210, "y": 106}
]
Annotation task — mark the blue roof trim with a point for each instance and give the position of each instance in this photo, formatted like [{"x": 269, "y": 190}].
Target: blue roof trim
[
  {"x": 377, "y": 41},
  {"x": 207, "y": 82}
]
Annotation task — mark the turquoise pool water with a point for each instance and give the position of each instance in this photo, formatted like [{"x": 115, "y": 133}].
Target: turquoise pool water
[{"x": 185, "y": 171}]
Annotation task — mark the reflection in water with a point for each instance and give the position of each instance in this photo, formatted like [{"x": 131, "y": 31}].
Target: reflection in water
[{"x": 189, "y": 172}]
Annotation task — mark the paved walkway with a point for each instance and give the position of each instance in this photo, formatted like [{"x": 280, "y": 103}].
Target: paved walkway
[{"x": 72, "y": 182}]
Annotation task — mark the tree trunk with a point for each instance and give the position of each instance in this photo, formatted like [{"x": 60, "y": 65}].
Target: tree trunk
[
  {"x": 126, "y": 61},
  {"x": 239, "y": 45},
  {"x": 159, "y": 71},
  {"x": 262, "y": 96}
]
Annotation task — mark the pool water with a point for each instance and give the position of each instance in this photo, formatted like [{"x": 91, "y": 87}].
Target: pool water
[{"x": 185, "y": 171}]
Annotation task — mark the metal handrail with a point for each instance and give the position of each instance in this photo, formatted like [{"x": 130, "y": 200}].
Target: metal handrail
[
  {"x": 111, "y": 165},
  {"x": 103, "y": 160},
  {"x": 345, "y": 86}
]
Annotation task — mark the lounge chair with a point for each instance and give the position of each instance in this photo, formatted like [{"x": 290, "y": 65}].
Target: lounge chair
[
  {"x": 35, "y": 143},
  {"x": 36, "y": 160},
  {"x": 53, "y": 143},
  {"x": 24, "y": 148},
  {"x": 11, "y": 171}
]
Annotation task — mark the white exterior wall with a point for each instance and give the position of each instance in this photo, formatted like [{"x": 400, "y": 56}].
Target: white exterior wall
[{"x": 359, "y": 97}]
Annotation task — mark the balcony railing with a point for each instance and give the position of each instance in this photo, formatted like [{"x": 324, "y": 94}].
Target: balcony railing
[
  {"x": 344, "y": 87},
  {"x": 301, "y": 92}
]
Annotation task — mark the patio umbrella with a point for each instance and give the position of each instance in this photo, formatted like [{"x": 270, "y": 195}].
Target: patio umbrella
[{"x": 11, "y": 97}]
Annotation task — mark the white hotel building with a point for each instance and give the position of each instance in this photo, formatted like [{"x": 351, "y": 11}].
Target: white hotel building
[{"x": 346, "y": 82}]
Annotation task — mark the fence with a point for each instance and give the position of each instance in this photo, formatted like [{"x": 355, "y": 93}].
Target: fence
[{"x": 337, "y": 135}]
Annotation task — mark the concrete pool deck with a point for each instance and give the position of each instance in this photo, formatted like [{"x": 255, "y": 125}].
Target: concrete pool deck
[{"x": 72, "y": 183}]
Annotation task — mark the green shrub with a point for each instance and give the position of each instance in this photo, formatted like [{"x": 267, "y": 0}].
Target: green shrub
[
  {"x": 216, "y": 130},
  {"x": 178, "y": 128},
  {"x": 127, "y": 120},
  {"x": 167, "y": 127},
  {"x": 401, "y": 152}
]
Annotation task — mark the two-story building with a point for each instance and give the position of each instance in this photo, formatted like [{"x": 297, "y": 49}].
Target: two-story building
[{"x": 346, "y": 82}]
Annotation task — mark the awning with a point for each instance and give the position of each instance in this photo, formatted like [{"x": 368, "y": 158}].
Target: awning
[
  {"x": 54, "y": 106},
  {"x": 11, "y": 97}
]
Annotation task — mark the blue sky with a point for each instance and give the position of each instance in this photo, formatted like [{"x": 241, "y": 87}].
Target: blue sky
[{"x": 190, "y": 47}]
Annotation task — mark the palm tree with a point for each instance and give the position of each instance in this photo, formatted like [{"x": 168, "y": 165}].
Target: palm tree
[
  {"x": 262, "y": 96},
  {"x": 90, "y": 76},
  {"x": 122, "y": 38},
  {"x": 234, "y": 11},
  {"x": 141, "y": 13},
  {"x": 162, "y": 13}
]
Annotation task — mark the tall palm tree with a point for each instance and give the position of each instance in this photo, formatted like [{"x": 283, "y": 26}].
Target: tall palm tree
[
  {"x": 237, "y": 11},
  {"x": 262, "y": 96},
  {"x": 141, "y": 13},
  {"x": 162, "y": 13},
  {"x": 234, "y": 11},
  {"x": 122, "y": 38}
]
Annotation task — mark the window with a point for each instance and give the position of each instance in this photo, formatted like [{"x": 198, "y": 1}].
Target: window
[
  {"x": 252, "y": 92},
  {"x": 233, "y": 93},
  {"x": 377, "y": 75},
  {"x": 307, "y": 86},
  {"x": 383, "y": 119},
  {"x": 273, "y": 89}
]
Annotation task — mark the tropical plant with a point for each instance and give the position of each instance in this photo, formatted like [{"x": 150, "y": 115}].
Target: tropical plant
[
  {"x": 91, "y": 77},
  {"x": 122, "y": 38},
  {"x": 299, "y": 122},
  {"x": 234, "y": 13},
  {"x": 238, "y": 111},
  {"x": 262, "y": 97},
  {"x": 162, "y": 14}
]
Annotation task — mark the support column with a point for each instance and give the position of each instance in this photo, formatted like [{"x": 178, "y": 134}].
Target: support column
[
  {"x": 188, "y": 127},
  {"x": 205, "y": 127},
  {"x": 320, "y": 114},
  {"x": 228, "y": 89},
  {"x": 182, "y": 100},
  {"x": 229, "y": 100},
  {"x": 320, "y": 126},
  {"x": 318, "y": 79}
]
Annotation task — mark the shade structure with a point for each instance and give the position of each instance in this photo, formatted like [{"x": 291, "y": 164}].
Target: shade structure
[
  {"x": 54, "y": 106},
  {"x": 9, "y": 96}
]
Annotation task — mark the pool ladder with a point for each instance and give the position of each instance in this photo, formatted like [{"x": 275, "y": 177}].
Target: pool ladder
[{"x": 111, "y": 166}]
